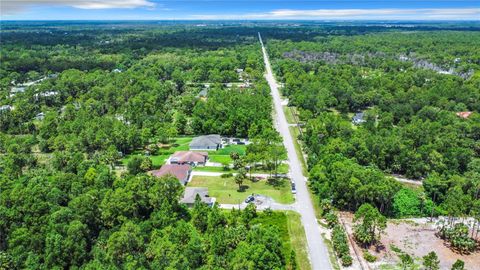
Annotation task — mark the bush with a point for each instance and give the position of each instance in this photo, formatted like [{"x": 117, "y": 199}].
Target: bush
[
  {"x": 406, "y": 203},
  {"x": 347, "y": 260},
  {"x": 332, "y": 219},
  {"x": 134, "y": 165},
  {"x": 458, "y": 238},
  {"x": 369, "y": 257},
  {"x": 340, "y": 245},
  {"x": 226, "y": 175}
]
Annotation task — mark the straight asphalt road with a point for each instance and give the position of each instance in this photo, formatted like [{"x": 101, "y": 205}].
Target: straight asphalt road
[{"x": 317, "y": 250}]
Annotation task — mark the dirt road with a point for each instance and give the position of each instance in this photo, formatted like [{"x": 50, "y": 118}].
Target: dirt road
[{"x": 318, "y": 252}]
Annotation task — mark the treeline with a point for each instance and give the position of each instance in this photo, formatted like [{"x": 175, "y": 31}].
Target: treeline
[
  {"x": 409, "y": 124},
  {"x": 93, "y": 220},
  {"x": 63, "y": 203}
]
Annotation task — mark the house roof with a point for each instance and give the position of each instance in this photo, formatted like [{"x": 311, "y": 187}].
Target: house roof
[
  {"x": 191, "y": 193},
  {"x": 211, "y": 140},
  {"x": 179, "y": 171},
  {"x": 189, "y": 156},
  {"x": 464, "y": 115},
  {"x": 358, "y": 117},
  {"x": 203, "y": 93}
]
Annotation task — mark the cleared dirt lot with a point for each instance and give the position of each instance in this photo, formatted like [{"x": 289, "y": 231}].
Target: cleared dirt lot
[{"x": 416, "y": 239}]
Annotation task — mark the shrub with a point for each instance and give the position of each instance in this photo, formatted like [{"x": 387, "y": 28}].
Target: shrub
[
  {"x": 331, "y": 219},
  {"x": 458, "y": 238},
  {"x": 369, "y": 257},
  {"x": 226, "y": 175},
  {"x": 406, "y": 203},
  {"x": 347, "y": 260},
  {"x": 340, "y": 245}
]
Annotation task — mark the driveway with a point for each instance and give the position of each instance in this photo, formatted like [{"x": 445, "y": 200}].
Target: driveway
[
  {"x": 262, "y": 203},
  {"x": 318, "y": 252}
]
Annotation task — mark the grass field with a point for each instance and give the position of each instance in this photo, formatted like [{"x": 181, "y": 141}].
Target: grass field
[
  {"x": 298, "y": 239},
  {"x": 180, "y": 144},
  {"x": 213, "y": 169},
  {"x": 282, "y": 169},
  {"x": 298, "y": 148},
  {"x": 224, "y": 159},
  {"x": 289, "y": 115},
  {"x": 240, "y": 149},
  {"x": 293, "y": 235},
  {"x": 223, "y": 155},
  {"x": 226, "y": 190}
]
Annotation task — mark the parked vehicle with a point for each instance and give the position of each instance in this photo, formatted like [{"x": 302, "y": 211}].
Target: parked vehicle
[
  {"x": 249, "y": 199},
  {"x": 294, "y": 190}
]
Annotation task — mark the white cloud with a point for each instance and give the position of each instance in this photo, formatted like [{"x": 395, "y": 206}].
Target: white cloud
[
  {"x": 357, "y": 14},
  {"x": 8, "y": 7}
]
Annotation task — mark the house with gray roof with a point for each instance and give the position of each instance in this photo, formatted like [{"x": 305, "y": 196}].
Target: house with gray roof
[
  {"x": 358, "y": 118},
  {"x": 206, "y": 142},
  {"x": 191, "y": 193}
]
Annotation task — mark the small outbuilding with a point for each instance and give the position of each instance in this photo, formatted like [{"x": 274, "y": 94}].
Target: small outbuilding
[
  {"x": 181, "y": 172},
  {"x": 189, "y": 157},
  {"x": 191, "y": 193},
  {"x": 358, "y": 118},
  {"x": 206, "y": 142}
]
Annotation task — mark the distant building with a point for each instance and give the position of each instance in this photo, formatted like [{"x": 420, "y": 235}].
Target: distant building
[
  {"x": 358, "y": 118},
  {"x": 17, "y": 89},
  {"x": 181, "y": 172},
  {"x": 40, "y": 116},
  {"x": 464, "y": 115},
  {"x": 206, "y": 142},
  {"x": 203, "y": 93},
  {"x": 189, "y": 157},
  {"x": 46, "y": 94},
  {"x": 191, "y": 193},
  {"x": 5, "y": 108}
]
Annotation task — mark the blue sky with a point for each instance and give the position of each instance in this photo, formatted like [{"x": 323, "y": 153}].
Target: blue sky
[{"x": 239, "y": 10}]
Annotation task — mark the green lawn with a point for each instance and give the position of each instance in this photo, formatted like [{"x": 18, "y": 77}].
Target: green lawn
[
  {"x": 282, "y": 169},
  {"x": 298, "y": 148},
  {"x": 288, "y": 114},
  {"x": 223, "y": 155},
  {"x": 157, "y": 160},
  {"x": 293, "y": 236},
  {"x": 224, "y": 159},
  {"x": 226, "y": 190},
  {"x": 240, "y": 149},
  {"x": 180, "y": 144},
  {"x": 212, "y": 169},
  {"x": 298, "y": 239}
]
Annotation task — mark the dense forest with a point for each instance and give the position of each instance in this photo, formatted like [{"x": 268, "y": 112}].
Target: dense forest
[
  {"x": 380, "y": 106},
  {"x": 76, "y": 97},
  {"x": 74, "y": 100}
]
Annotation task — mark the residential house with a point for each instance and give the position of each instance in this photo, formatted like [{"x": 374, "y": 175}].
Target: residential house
[
  {"x": 203, "y": 93},
  {"x": 189, "y": 157},
  {"x": 5, "y": 108},
  {"x": 40, "y": 116},
  {"x": 190, "y": 195},
  {"x": 180, "y": 171},
  {"x": 358, "y": 118},
  {"x": 464, "y": 115},
  {"x": 206, "y": 142},
  {"x": 18, "y": 89}
]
